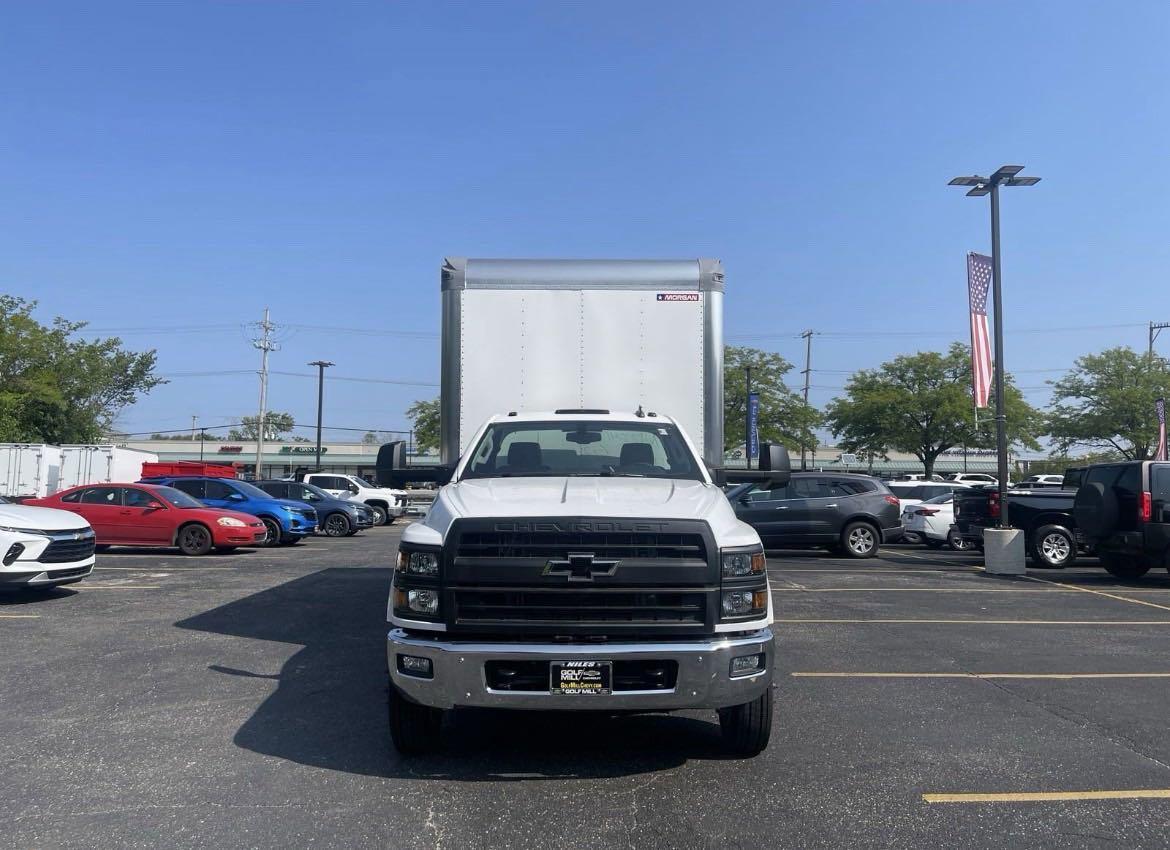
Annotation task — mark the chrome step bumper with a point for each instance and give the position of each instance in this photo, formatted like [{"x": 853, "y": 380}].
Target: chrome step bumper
[{"x": 704, "y": 672}]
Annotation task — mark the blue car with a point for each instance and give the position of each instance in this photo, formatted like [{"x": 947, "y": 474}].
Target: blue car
[{"x": 284, "y": 520}]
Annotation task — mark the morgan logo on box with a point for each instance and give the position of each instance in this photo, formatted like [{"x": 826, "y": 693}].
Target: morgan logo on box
[{"x": 678, "y": 296}]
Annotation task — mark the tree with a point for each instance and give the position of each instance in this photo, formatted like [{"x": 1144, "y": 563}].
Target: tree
[
  {"x": 921, "y": 403},
  {"x": 186, "y": 435},
  {"x": 424, "y": 419},
  {"x": 784, "y": 417},
  {"x": 370, "y": 439},
  {"x": 1107, "y": 403},
  {"x": 276, "y": 425},
  {"x": 55, "y": 388}
]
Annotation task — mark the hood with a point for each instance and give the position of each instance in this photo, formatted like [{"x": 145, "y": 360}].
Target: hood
[
  {"x": 293, "y": 503},
  {"x": 660, "y": 498},
  {"x": 45, "y": 519}
]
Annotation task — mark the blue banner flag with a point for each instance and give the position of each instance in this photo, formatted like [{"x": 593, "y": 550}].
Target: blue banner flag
[{"x": 753, "y": 412}]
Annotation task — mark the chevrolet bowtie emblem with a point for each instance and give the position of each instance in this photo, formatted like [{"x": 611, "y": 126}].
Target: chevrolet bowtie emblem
[{"x": 580, "y": 566}]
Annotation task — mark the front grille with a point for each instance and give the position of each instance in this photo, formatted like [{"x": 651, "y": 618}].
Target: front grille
[
  {"x": 595, "y": 607},
  {"x": 308, "y": 514},
  {"x": 66, "y": 551},
  {"x": 617, "y": 545},
  {"x": 533, "y": 676}
]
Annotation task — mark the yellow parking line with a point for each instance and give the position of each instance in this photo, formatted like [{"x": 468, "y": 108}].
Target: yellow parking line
[
  {"x": 20, "y": 616},
  {"x": 912, "y": 590},
  {"x": 980, "y": 675},
  {"x": 994, "y": 622},
  {"x": 164, "y": 569},
  {"x": 1100, "y": 593},
  {"x": 1047, "y": 796},
  {"x": 119, "y": 587}
]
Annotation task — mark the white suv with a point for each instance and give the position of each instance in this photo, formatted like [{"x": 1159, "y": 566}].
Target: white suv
[
  {"x": 42, "y": 547},
  {"x": 387, "y": 504}
]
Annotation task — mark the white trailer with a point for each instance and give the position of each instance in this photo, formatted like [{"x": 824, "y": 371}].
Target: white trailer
[
  {"x": 29, "y": 469},
  {"x": 101, "y": 464},
  {"x": 613, "y": 334}
]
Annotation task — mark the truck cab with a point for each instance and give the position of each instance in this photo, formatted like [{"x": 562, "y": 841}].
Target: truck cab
[
  {"x": 386, "y": 503},
  {"x": 582, "y": 559}
]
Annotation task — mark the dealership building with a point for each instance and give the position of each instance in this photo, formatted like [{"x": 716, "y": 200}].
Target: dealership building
[
  {"x": 280, "y": 458},
  {"x": 286, "y": 458}
]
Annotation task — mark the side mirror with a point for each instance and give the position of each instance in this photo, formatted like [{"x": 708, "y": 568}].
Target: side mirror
[
  {"x": 718, "y": 475},
  {"x": 154, "y": 506},
  {"x": 353, "y": 488},
  {"x": 235, "y": 497},
  {"x": 774, "y": 459}
]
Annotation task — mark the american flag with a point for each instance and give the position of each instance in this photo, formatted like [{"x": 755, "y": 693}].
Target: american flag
[
  {"x": 978, "y": 282},
  {"x": 1160, "y": 407}
]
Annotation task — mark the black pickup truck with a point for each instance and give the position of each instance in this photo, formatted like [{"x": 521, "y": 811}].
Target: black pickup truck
[{"x": 1044, "y": 515}]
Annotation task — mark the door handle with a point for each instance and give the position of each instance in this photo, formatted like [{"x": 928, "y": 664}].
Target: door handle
[
  {"x": 125, "y": 513},
  {"x": 830, "y": 506}
]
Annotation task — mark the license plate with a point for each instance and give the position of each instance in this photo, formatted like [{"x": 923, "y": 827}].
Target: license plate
[{"x": 581, "y": 678}]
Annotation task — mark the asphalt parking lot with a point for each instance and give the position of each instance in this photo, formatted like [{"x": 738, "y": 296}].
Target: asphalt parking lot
[{"x": 239, "y": 701}]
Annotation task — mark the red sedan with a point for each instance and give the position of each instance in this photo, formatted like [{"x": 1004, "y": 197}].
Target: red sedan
[{"x": 149, "y": 515}]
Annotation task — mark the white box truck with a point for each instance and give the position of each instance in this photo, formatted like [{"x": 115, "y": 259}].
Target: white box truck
[
  {"x": 582, "y": 555},
  {"x": 29, "y": 470},
  {"x": 101, "y": 464}
]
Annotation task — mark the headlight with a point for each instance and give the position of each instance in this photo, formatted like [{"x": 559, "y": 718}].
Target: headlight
[
  {"x": 15, "y": 530},
  {"x": 743, "y": 564},
  {"x": 418, "y": 563},
  {"x": 739, "y": 603},
  {"x": 231, "y": 522},
  {"x": 420, "y": 601}
]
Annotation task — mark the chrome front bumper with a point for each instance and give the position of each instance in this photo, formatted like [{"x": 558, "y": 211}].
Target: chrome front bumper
[{"x": 704, "y": 672}]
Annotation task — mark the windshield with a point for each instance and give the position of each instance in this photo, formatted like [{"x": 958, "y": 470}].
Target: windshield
[
  {"x": 940, "y": 500},
  {"x": 178, "y": 498},
  {"x": 365, "y": 481},
  {"x": 627, "y": 449},
  {"x": 251, "y": 490},
  {"x": 316, "y": 491}
]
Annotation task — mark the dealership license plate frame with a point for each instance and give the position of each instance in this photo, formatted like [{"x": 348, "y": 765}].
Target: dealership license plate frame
[{"x": 589, "y": 678}]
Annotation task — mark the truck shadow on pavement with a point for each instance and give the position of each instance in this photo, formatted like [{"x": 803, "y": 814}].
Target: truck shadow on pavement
[{"x": 329, "y": 707}]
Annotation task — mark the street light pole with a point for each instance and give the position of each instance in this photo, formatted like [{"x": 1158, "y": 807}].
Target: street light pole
[
  {"x": 1003, "y": 176},
  {"x": 321, "y": 365}
]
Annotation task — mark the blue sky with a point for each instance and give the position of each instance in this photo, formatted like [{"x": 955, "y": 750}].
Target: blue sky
[{"x": 181, "y": 166}]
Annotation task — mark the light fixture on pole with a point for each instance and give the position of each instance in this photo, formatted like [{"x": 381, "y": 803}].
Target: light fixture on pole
[
  {"x": 1007, "y": 175},
  {"x": 321, "y": 365}
]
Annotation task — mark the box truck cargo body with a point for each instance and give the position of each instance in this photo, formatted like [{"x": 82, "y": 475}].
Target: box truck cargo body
[
  {"x": 606, "y": 334},
  {"x": 29, "y": 469},
  {"x": 581, "y": 555},
  {"x": 98, "y": 464}
]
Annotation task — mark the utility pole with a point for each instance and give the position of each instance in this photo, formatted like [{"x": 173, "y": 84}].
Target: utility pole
[
  {"x": 807, "y": 335},
  {"x": 202, "y": 437},
  {"x": 1155, "y": 329},
  {"x": 747, "y": 415},
  {"x": 194, "y": 419},
  {"x": 265, "y": 344},
  {"x": 321, "y": 365}
]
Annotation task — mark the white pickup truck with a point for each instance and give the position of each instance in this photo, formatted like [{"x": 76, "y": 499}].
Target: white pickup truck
[
  {"x": 387, "y": 504},
  {"x": 43, "y": 547},
  {"x": 581, "y": 558}
]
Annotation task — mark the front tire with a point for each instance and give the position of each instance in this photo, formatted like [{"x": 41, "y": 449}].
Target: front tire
[
  {"x": 337, "y": 525},
  {"x": 194, "y": 540},
  {"x": 414, "y": 729},
  {"x": 380, "y": 514},
  {"x": 958, "y": 542},
  {"x": 1123, "y": 566},
  {"x": 746, "y": 728},
  {"x": 1053, "y": 546},
  {"x": 272, "y": 531},
  {"x": 860, "y": 540}
]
